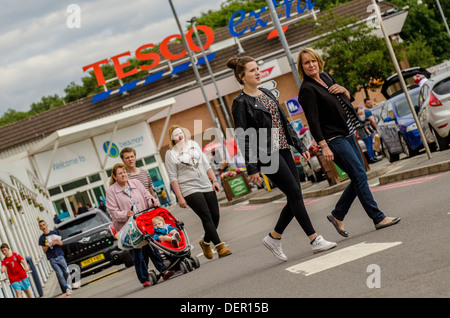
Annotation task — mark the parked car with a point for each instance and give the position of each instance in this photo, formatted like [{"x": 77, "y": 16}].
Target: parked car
[
  {"x": 397, "y": 128},
  {"x": 434, "y": 110},
  {"x": 391, "y": 86},
  {"x": 88, "y": 242}
]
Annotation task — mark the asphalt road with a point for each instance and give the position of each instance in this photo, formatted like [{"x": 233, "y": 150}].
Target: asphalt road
[{"x": 406, "y": 260}]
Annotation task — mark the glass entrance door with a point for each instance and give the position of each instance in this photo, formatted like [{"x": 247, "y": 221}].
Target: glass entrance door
[
  {"x": 159, "y": 186},
  {"x": 78, "y": 202}
]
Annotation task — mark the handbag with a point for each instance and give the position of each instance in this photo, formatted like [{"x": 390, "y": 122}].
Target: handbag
[{"x": 130, "y": 236}]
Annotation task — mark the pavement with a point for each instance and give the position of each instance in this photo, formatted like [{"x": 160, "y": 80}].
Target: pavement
[{"x": 386, "y": 172}]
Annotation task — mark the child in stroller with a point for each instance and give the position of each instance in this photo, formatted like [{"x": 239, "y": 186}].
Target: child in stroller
[
  {"x": 179, "y": 256},
  {"x": 165, "y": 232}
]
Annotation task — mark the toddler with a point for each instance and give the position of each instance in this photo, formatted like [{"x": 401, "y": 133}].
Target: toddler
[{"x": 165, "y": 232}]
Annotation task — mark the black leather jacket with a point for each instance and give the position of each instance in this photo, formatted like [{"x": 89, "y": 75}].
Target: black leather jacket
[{"x": 253, "y": 123}]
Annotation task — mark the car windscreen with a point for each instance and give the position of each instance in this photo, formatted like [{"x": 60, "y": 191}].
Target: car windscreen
[
  {"x": 81, "y": 225},
  {"x": 402, "y": 105},
  {"x": 443, "y": 87}
]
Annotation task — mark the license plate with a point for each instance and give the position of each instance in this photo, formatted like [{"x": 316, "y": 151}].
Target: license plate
[{"x": 92, "y": 260}]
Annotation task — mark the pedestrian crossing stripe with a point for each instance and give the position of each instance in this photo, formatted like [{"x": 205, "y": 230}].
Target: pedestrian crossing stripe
[{"x": 339, "y": 257}]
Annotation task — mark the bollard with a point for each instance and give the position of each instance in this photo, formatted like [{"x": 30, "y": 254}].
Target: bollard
[{"x": 35, "y": 275}]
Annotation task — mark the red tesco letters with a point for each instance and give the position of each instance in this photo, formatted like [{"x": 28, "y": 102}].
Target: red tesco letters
[{"x": 150, "y": 56}]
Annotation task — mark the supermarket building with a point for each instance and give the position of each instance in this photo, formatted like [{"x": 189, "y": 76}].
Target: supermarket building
[{"x": 71, "y": 149}]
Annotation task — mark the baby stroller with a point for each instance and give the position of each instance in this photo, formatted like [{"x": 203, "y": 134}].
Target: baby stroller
[{"x": 180, "y": 257}]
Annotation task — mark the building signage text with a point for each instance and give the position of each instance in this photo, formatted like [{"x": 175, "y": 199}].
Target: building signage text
[{"x": 241, "y": 15}]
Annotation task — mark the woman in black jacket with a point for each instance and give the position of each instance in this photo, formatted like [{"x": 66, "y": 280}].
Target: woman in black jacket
[
  {"x": 332, "y": 121},
  {"x": 264, "y": 135}
]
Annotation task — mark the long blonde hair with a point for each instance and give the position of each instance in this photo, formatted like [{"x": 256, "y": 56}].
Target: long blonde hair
[
  {"x": 114, "y": 172},
  {"x": 313, "y": 53},
  {"x": 186, "y": 134}
]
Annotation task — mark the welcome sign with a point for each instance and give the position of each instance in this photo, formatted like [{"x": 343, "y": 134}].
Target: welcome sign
[{"x": 69, "y": 163}]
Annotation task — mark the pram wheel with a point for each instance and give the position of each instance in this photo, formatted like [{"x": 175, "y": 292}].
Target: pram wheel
[
  {"x": 184, "y": 267},
  {"x": 153, "y": 277},
  {"x": 194, "y": 261}
]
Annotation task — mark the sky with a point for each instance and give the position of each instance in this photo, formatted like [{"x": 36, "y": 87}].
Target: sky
[{"x": 43, "y": 50}]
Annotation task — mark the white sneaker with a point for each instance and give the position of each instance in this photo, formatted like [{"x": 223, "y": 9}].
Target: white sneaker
[
  {"x": 320, "y": 244},
  {"x": 275, "y": 247}
]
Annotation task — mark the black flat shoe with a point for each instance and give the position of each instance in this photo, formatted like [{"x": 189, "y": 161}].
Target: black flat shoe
[
  {"x": 393, "y": 222},
  {"x": 336, "y": 226}
]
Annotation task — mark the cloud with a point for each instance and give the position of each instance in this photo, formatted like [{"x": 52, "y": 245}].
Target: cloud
[{"x": 41, "y": 55}]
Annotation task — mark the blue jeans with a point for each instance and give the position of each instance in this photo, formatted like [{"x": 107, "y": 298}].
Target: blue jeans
[
  {"x": 369, "y": 146},
  {"x": 140, "y": 258},
  {"x": 59, "y": 265},
  {"x": 140, "y": 266},
  {"x": 348, "y": 157}
]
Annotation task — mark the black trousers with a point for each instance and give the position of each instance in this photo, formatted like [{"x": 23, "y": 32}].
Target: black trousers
[
  {"x": 206, "y": 206},
  {"x": 286, "y": 178}
]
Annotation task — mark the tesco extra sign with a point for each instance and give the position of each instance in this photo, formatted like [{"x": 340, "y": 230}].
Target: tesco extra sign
[
  {"x": 239, "y": 16},
  {"x": 154, "y": 57}
]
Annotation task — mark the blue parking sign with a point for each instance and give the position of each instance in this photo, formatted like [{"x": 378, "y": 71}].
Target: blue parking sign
[{"x": 294, "y": 106}]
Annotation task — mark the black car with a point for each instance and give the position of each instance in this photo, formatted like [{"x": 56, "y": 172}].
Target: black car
[{"x": 89, "y": 243}]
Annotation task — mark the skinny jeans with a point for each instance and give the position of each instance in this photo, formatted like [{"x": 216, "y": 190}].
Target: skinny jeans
[
  {"x": 206, "y": 206},
  {"x": 348, "y": 157},
  {"x": 286, "y": 178}
]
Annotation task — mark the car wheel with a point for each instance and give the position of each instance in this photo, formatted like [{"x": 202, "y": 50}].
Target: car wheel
[
  {"x": 406, "y": 148},
  {"x": 441, "y": 143},
  {"x": 390, "y": 157}
]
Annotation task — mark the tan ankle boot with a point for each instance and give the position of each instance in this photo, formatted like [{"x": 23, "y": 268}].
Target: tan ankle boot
[
  {"x": 222, "y": 250},
  {"x": 206, "y": 248}
]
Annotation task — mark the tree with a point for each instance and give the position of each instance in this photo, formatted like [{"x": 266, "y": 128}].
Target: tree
[
  {"x": 11, "y": 116},
  {"x": 420, "y": 53},
  {"x": 354, "y": 56},
  {"x": 424, "y": 22}
]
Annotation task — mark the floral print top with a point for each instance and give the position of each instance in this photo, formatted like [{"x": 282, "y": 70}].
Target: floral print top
[{"x": 279, "y": 140}]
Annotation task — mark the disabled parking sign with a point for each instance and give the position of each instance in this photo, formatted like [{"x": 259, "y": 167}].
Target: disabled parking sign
[{"x": 294, "y": 106}]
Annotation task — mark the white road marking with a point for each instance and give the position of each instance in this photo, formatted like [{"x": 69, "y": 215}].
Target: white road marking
[{"x": 339, "y": 257}]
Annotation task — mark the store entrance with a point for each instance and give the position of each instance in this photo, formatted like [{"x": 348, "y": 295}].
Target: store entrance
[
  {"x": 159, "y": 186},
  {"x": 78, "y": 202}
]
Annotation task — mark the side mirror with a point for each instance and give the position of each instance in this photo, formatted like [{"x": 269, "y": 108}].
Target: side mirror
[{"x": 388, "y": 119}]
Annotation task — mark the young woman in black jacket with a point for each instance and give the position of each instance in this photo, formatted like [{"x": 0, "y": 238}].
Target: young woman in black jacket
[
  {"x": 332, "y": 121},
  {"x": 264, "y": 135}
]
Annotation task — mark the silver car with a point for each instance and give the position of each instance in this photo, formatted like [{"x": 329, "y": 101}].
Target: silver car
[{"x": 434, "y": 110}]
